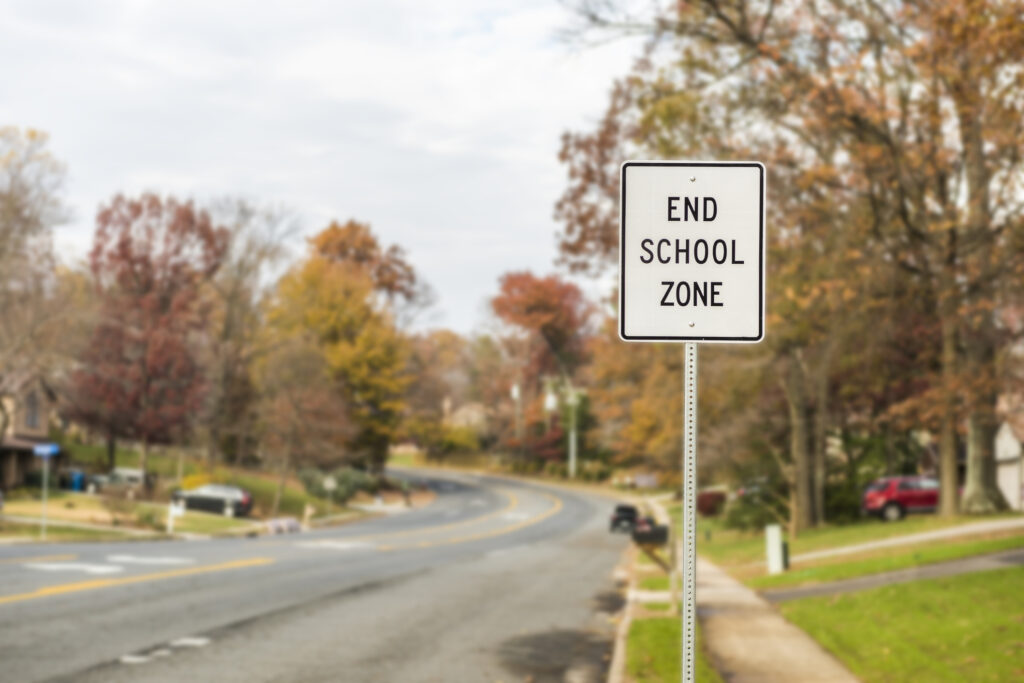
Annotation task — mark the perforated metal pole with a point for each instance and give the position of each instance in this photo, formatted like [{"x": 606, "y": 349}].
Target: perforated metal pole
[{"x": 689, "y": 563}]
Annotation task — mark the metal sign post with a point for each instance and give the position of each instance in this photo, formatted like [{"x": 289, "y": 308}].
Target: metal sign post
[
  {"x": 691, "y": 269},
  {"x": 689, "y": 563},
  {"x": 45, "y": 451}
]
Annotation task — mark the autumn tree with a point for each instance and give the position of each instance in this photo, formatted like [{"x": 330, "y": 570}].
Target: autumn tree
[
  {"x": 303, "y": 420},
  {"x": 335, "y": 304},
  {"x": 438, "y": 368},
  {"x": 549, "y": 318},
  {"x": 553, "y": 313},
  {"x": 354, "y": 244},
  {"x": 139, "y": 376},
  {"x": 31, "y": 180},
  {"x": 234, "y": 338},
  {"x": 902, "y": 113}
]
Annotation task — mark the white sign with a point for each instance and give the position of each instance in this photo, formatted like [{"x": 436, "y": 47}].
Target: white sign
[
  {"x": 691, "y": 251},
  {"x": 330, "y": 483}
]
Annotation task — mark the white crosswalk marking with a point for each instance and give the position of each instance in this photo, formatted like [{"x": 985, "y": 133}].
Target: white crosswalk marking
[
  {"x": 140, "y": 559},
  {"x": 134, "y": 659},
  {"x": 328, "y": 544},
  {"x": 191, "y": 641},
  {"x": 74, "y": 567}
]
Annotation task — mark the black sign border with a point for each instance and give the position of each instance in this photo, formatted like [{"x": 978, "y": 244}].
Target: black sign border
[{"x": 622, "y": 250}]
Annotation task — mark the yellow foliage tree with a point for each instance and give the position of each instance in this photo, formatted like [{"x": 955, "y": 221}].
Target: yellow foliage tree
[{"x": 333, "y": 303}]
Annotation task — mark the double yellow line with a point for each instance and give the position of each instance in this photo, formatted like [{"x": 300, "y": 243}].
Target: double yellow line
[
  {"x": 95, "y": 584},
  {"x": 513, "y": 503},
  {"x": 553, "y": 510}
]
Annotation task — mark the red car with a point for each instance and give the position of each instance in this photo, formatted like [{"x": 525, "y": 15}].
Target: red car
[{"x": 893, "y": 497}]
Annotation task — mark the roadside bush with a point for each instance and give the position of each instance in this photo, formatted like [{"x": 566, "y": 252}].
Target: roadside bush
[
  {"x": 348, "y": 482},
  {"x": 149, "y": 518},
  {"x": 118, "y": 504},
  {"x": 557, "y": 470},
  {"x": 595, "y": 471},
  {"x": 193, "y": 481},
  {"x": 749, "y": 512}
]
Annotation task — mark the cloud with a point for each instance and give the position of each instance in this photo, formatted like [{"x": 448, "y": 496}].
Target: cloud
[{"x": 436, "y": 122}]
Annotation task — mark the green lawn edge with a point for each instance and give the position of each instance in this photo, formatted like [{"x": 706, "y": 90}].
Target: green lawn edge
[{"x": 962, "y": 628}]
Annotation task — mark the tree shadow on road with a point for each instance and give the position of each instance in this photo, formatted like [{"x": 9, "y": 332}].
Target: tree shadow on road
[{"x": 547, "y": 657}]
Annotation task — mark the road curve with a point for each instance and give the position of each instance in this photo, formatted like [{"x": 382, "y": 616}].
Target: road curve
[{"x": 497, "y": 580}]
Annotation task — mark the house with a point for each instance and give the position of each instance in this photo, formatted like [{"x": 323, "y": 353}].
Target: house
[
  {"x": 28, "y": 406},
  {"x": 1010, "y": 460}
]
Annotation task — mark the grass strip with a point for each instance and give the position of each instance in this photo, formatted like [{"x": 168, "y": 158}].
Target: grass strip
[
  {"x": 962, "y": 628},
  {"x": 653, "y": 652}
]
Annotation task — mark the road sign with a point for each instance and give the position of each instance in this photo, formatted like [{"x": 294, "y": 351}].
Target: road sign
[
  {"x": 46, "y": 450},
  {"x": 330, "y": 483},
  {"x": 691, "y": 251},
  {"x": 691, "y": 269}
]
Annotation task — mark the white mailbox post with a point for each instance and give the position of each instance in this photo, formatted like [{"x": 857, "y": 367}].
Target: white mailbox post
[{"x": 691, "y": 270}]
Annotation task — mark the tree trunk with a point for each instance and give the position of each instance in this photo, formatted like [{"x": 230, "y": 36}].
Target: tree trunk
[
  {"x": 820, "y": 441},
  {"x": 948, "y": 479},
  {"x": 281, "y": 482},
  {"x": 143, "y": 462},
  {"x": 212, "y": 444},
  {"x": 981, "y": 490},
  {"x": 111, "y": 450},
  {"x": 796, "y": 398}
]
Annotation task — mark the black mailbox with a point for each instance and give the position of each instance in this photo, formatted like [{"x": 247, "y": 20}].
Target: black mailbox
[{"x": 654, "y": 534}]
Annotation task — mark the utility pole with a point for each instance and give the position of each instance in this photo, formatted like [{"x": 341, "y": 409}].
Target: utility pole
[
  {"x": 574, "y": 401},
  {"x": 517, "y": 396}
]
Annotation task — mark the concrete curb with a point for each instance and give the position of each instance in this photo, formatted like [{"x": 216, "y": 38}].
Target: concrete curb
[{"x": 617, "y": 667}]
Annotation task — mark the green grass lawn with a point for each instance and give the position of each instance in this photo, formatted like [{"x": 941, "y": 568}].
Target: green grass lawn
[
  {"x": 17, "y": 530},
  {"x": 890, "y": 560},
  {"x": 654, "y": 583},
  {"x": 963, "y": 628},
  {"x": 160, "y": 461},
  {"x": 653, "y": 652}
]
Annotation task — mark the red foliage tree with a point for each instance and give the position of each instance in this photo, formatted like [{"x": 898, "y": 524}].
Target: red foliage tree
[
  {"x": 555, "y": 314},
  {"x": 139, "y": 376}
]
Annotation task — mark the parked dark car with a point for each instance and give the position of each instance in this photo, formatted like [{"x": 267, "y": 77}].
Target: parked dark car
[
  {"x": 892, "y": 498},
  {"x": 624, "y": 518},
  {"x": 217, "y": 498}
]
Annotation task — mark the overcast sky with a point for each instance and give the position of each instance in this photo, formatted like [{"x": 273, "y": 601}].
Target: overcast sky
[{"x": 436, "y": 122}]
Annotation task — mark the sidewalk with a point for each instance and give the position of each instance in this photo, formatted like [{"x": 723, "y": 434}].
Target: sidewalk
[
  {"x": 749, "y": 641},
  {"x": 746, "y": 638}
]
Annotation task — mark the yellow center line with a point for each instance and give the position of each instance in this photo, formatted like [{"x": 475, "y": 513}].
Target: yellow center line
[
  {"x": 513, "y": 503},
  {"x": 95, "y": 584},
  {"x": 553, "y": 510},
  {"x": 38, "y": 558}
]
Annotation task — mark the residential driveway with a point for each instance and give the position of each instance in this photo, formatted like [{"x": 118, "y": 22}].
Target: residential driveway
[
  {"x": 967, "y": 565},
  {"x": 973, "y": 529}
]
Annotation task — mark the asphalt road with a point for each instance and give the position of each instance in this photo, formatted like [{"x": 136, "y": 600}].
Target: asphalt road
[{"x": 496, "y": 580}]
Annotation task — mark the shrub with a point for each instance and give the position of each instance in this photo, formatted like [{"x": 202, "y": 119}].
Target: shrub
[
  {"x": 749, "y": 512},
  {"x": 149, "y": 517},
  {"x": 193, "y": 481},
  {"x": 710, "y": 503}
]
